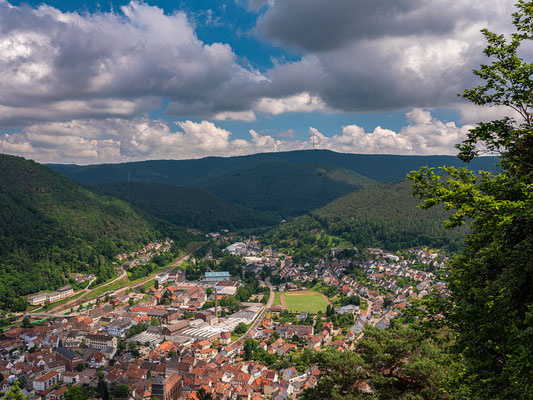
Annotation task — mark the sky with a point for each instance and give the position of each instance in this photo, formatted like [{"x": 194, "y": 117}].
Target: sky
[{"x": 90, "y": 82}]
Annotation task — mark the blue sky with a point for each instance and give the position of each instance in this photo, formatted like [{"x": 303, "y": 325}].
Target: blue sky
[{"x": 102, "y": 81}]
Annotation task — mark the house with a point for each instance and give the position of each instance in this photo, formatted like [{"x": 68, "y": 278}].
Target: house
[
  {"x": 57, "y": 394},
  {"x": 45, "y": 381},
  {"x": 225, "y": 338},
  {"x": 118, "y": 328},
  {"x": 97, "y": 360},
  {"x": 68, "y": 357},
  {"x": 99, "y": 342},
  {"x": 71, "y": 378},
  {"x": 167, "y": 389},
  {"x": 302, "y": 316},
  {"x": 73, "y": 339},
  {"x": 175, "y": 329}
]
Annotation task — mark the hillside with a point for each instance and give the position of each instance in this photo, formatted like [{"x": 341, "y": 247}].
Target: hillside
[
  {"x": 50, "y": 226},
  {"x": 286, "y": 188},
  {"x": 378, "y": 167},
  {"x": 383, "y": 215},
  {"x": 188, "y": 207}
]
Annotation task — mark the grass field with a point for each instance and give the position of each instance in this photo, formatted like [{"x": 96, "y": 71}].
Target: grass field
[
  {"x": 277, "y": 300},
  {"x": 306, "y": 301}
]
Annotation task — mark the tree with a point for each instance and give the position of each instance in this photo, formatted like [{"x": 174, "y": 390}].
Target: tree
[
  {"x": 102, "y": 390},
  {"x": 26, "y": 323},
  {"x": 154, "y": 321},
  {"x": 80, "y": 367},
  {"x": 491, "y": 281},
  {"x": 120, "y": 391},
  {"x": 171, "y": 354},
  {"x": 74, "y": 393},
  {"x": 397, "y": 363},
  {"x": 15, "y": 393},
  {"x": 240, "y": 329},
  {"x": 250, "y": 345},
  {"x": 202, "y": 394}
]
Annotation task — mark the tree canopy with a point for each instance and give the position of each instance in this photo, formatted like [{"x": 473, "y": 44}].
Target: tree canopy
[{"x": 491, "y": 307}]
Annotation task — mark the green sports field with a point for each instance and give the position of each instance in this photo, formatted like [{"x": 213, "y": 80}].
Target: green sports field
[{"x": 305, "y": 301}]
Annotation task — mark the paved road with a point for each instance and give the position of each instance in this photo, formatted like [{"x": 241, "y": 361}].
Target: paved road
[
  {"x": 259, "y": 319},
  {"x": 77, "y": 300}
]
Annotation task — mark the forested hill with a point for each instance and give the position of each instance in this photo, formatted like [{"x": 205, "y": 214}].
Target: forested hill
[
  {"x": 50, "y": 226},
  {"x": 188, "y": 207},
  {"x": 383, "y": 215},
  {"x": 286, "y": 188},
  {"x": 381, "y": 168}
]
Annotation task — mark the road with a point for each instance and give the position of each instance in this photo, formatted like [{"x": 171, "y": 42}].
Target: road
[
  {"x": 78, "y": 300},
  {"x": 259, "y": 319}
]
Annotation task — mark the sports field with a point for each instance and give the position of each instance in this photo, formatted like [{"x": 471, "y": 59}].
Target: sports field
[{"x": 304, "y": 301}]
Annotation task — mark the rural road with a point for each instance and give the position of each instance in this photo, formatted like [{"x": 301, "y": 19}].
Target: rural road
[
  {"x": 261, "y": 316},
  {"x": 78, "y": 300}
]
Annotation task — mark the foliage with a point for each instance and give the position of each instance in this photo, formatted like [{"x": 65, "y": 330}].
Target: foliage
[
  {"x": 120, "y": 391},
  {"x": 50, "y": 227},
  {"x": 491, "y": 307},
  {"x": 240, "y": 329},
  {"x": 286, "y": 188},
  {"x": 74, "y": 393},
  {"x": 396, "y": 364},
  {"x": 136, "y": 329},
  {"x": 378, "y": 167},
  {"x": 185, "y": 206},
  {"x": 202, "y": 394},
  {"x": 384, "y": 215},
  {"x": 102, "y": 391},
  {"x": 15, "y": 393}
]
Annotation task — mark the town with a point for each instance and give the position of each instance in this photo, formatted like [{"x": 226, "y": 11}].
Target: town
[{"x": 200, "y": 329}]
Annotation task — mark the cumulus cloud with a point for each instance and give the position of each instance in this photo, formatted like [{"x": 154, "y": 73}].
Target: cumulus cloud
[
  {"x": 119, "y": 140},
  {"x": 471, "y": 113},
  {"x": 424, "y": 134},
  {"x": 302, "y": 102},
  {"x": 60, "y": 66},
  {"x": 363, "y": 55}
]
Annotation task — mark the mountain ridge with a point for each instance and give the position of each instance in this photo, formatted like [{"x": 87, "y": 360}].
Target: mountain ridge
[{"x": 378, "y": 167}]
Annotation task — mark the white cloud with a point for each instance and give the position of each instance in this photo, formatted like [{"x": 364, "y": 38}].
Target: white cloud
[
  {"x": 61, "y": 66},
  {"x": 471, "y": 113},
  {"x": 303, "y": 102},
  {"x": 381, "y": 55},
  {"x": 247, "y": 116},
  {"x": 119, "y": 140},
  {"x": 423, "y": 135}
]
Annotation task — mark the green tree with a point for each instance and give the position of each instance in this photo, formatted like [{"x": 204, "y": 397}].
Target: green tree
[
  {"x": 102, "y": 390},
  {"x": 250, "y": 345},
  {"x": 240, "y": 329},
  {"x": 396, "y": 364},
  {"x": 74, "y": 393},
  {"x": 171, "y": 354},
  {"x": 80, "y": 367},
  {"x": 120, "y": 391},
  {"x": 154, "y": 321},
  {"x": 15, "y": 393},
  {"x": 491, "y": 281},
  {"x": 202, "y": 394}
]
